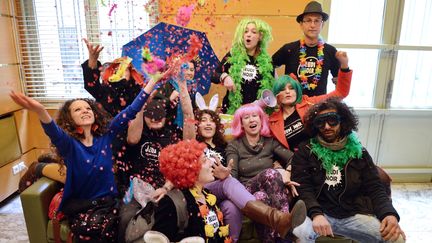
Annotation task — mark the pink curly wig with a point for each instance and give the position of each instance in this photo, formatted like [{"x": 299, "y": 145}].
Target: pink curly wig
[
  {"x": 237, "y": 128},
  {"x": 180, "y": 163}
]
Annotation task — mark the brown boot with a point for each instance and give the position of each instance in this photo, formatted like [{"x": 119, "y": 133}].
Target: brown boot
[{"x": 277, "y": 220}]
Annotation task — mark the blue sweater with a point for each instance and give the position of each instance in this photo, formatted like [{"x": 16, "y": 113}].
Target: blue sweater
[{"x": 90, "y": 169}]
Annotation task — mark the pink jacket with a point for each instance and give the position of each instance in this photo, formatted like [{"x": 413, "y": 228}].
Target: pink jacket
[{"x": 276, "y": 119}]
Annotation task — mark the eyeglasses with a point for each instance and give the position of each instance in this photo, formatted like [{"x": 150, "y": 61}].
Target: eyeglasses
[
  {"x": 331, "y": 118},
  {"x": 314, "y": 21}
]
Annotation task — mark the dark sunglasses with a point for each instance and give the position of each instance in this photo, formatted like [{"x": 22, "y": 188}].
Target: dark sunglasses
[{"x": 331, "y": 118}]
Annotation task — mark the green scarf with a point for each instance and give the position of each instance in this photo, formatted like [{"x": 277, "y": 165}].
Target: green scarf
[
  {"x": 238, "y": 61},
  {"x": 329, "y": 157}
]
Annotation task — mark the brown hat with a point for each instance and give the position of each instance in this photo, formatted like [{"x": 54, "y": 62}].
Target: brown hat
[
  {"x": 312, "y": 7},
  {"x": 155, "y": 109}
]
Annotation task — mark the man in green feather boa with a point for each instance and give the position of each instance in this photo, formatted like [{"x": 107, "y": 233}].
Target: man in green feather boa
[{"x": 339, "y": 182}]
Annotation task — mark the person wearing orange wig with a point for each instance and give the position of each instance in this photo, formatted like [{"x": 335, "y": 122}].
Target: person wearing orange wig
[{"x": 185, "y": 164}]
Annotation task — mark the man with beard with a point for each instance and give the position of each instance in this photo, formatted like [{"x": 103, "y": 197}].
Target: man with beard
[{"x": 339, "y": 182}]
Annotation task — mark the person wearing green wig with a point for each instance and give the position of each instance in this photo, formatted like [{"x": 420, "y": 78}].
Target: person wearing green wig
[
  {"x": 246, "y": 70},
  {"x": 286, "y": 124}
]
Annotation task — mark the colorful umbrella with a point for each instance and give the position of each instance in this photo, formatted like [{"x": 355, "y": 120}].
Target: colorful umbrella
[{"x": 165, "y": 40}]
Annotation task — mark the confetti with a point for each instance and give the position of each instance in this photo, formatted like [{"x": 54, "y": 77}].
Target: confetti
[{"x": 184, "y": 15}]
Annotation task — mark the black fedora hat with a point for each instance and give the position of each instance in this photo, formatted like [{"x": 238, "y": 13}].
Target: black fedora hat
[{"x": 312, "y": 7}]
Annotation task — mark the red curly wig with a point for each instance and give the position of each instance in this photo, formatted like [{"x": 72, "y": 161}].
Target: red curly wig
[{"x": 180, "y": 163}]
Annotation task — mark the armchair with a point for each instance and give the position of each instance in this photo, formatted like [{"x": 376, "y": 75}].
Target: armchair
[{"x": 35, "y": 201}]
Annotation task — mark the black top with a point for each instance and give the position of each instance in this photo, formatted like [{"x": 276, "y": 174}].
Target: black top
[
  {"x": 220, "y": 150},
  {"x": 113, "y": 96},
  {"x": 249, "y": 84},
  {"x": 294, "y": 130},
  {"x": 166, "y": 220},
  {"x": 143, "y": 157},
  {"x": 288, "y": 55},
  {"x": 361, "y": 191}
]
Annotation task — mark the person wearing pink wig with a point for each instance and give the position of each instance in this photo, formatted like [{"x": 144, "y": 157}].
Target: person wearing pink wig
[{"x": 258, "y": 163}]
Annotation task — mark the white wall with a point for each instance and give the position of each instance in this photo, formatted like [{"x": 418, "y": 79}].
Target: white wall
[{"x": 399, "y": 141}]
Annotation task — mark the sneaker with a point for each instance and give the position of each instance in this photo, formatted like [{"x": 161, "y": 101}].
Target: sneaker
[
  {"x": 28, "y": 178},
  {"x": 155, "y": 237}
]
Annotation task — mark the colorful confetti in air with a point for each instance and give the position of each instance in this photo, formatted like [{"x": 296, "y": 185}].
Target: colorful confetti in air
[
  {"x": 112, "y": 9},
  {"x": 184, "y": 15}
]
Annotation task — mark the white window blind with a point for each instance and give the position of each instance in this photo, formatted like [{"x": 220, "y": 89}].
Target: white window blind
[{"x": 50, "y": 34}]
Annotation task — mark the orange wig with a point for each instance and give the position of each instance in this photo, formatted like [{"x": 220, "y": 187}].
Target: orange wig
[{"x": 180, "y": 163}]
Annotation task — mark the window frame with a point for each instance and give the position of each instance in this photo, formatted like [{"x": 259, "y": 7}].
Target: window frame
[
  {"x": 388, "y": 51},
  {"x": 35, "y": 84}
]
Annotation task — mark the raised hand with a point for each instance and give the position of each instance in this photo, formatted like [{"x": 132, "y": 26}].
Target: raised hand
[
  {"x": 221, "y": 172},
  {"x": 94, "y": 52},
  {"x": 342, "y": 58},
  {"x": 31, "y": 105}
]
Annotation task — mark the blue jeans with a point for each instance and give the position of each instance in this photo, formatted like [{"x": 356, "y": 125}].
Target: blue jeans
[{"x": 360, "y": 227}]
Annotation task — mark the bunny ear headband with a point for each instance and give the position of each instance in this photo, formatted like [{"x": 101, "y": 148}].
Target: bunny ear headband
[{"x": 199, "y": 100}]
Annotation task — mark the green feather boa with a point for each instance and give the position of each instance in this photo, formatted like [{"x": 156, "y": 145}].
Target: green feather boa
[
  {"x": 238, "y": 61},
  {"x": 352, "y": 149}
]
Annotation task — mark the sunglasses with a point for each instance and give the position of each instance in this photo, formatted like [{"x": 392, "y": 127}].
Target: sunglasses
[{"x": 331, "y": 118}]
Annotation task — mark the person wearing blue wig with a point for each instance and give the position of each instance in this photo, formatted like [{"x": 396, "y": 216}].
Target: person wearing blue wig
[{"x": 286, "y": 124}]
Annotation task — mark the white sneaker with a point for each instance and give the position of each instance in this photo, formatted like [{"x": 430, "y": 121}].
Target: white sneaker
[
  {"x": 193, "y": 239},
  {"x": 155, "y": 237}
]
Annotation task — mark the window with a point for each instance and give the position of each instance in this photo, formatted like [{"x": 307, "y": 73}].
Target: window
[
  {"x": 389, "y": 49},
  {"x": 356, "y": 27},
  {"x": 50, "y": 34},
  {"x": 412, "y": 86}
]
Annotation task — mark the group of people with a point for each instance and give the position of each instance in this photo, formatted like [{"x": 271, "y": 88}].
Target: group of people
[{"x": 299, "y": 173}]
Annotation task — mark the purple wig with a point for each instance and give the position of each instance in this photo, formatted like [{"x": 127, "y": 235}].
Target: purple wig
[{"x": 237, "y": 128}]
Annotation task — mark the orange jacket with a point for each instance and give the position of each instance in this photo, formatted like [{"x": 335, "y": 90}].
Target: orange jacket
[{"x": 276, "y": 119}]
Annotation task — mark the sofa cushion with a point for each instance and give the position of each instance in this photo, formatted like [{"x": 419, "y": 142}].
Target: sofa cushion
[{"x": 64, "y": 230}]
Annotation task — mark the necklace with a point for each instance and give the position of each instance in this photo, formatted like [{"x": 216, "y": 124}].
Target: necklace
[
  {"x": 208, "y": 211},
  {"x": 304, "y": 68}
]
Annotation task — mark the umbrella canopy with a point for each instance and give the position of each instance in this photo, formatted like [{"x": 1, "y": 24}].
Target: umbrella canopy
[{"x": 165, "y": 40}]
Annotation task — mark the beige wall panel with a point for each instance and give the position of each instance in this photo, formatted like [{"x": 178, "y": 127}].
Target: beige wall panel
[
  {"x": 30, "y": 131},
  {"x": 9, "y": 181},
  {"x": 220, "y": 35},
  {"x": 4, "y": 7},
  {"x": 7, "y": 47},
  {"x": 237, "y": 7},
  {"x": 9, "y": 81}
]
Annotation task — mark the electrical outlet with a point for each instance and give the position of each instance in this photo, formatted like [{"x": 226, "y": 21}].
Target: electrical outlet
[
  {"x": 16, "y": 169},
  {"x": 22, "y": 166}
]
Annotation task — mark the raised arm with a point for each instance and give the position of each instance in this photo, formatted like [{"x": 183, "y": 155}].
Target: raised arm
[
  {"x": 186, "y": 105},
  {"x": 136, "y": 125},
  {"x": 94, "y": 52},
  {"x": 343, "y": 85},
  {"x": 31, "y": 105}
]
